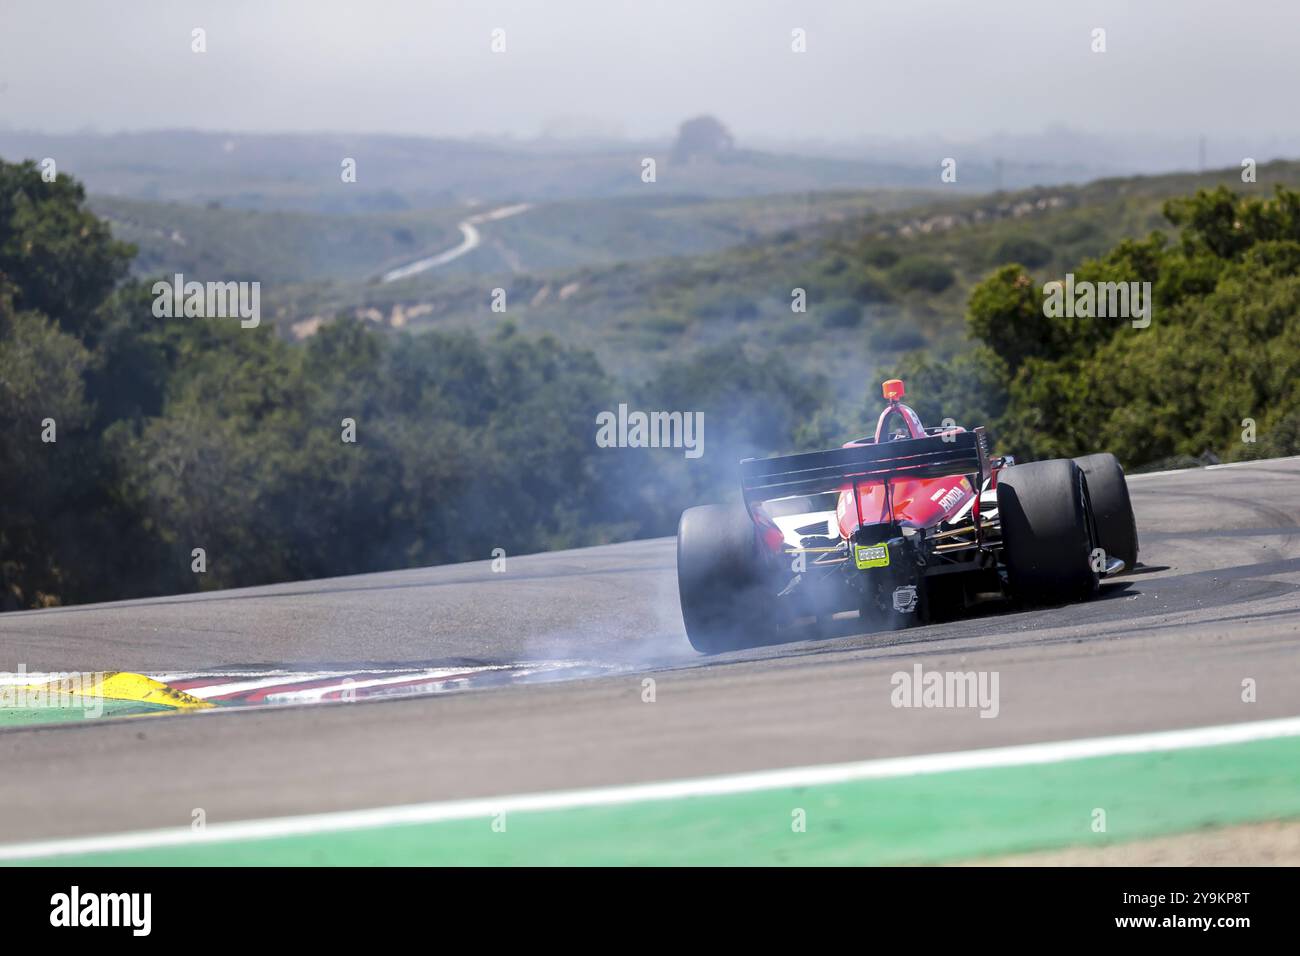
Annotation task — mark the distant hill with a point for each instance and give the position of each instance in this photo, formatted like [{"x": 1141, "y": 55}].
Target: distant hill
[
  {"x": 879, "y": 282},
  {"x": 301, "y": 172},
  {"x": 218, "y": 242},
  {"x": 214, "y": 242}
]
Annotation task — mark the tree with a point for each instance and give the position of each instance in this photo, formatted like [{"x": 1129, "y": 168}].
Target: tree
[
  {"x": 703, "y": 136},
  {"x": 59, "y": 258},
  {"x": 42, "y": 408},
  {"x": 1223, "y": 344}
]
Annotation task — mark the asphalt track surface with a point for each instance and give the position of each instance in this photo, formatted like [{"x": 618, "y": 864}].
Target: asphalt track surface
[{"x": 1216, "y": 603}]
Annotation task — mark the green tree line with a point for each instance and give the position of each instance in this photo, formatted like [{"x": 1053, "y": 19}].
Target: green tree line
[
  {"x": 175, "y": 434},
  {"x": 1215, "y": 375}
]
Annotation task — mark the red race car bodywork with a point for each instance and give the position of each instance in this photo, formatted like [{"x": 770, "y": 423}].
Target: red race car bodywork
[{"x": 901, "y": 526}]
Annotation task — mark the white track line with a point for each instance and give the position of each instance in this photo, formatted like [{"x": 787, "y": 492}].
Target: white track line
[
  {"x": 354, "y": 679},
  {"x": 793, "y": 777},
  {"x": 243, "y": 686},
  {"x": 314, "y": 694}
]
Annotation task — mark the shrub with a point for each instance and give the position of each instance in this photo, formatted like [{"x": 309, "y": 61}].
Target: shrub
[
  {"x": 895, "y": 337},
  {"x": 1025, "y": 250},
  {"x": 922, "y": 274},
  {"x": 841, "y": 314}
]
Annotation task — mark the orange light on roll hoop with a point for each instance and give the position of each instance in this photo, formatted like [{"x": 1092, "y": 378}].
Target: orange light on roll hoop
[{"x": 893, "y": 389}]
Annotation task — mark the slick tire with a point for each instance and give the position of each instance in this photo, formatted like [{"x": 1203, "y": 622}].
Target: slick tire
[
  {"x": 720, "y": 580},
  {"x": 1047, "y": 532},
  {"x": 1112, "y": 511}
]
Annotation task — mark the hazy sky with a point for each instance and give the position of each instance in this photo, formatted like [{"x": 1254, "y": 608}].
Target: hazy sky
[{"x": 956, "y": 68}]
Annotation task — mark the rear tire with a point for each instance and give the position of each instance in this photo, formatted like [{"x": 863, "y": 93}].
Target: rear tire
[
  {"x": 720, "y": 580},
  {"x": 1112, "y": 511},
  {"x": 1047, "y": 534}
]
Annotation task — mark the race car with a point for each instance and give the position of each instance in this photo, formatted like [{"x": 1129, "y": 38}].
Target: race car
[{"x": 913, "y": 524}]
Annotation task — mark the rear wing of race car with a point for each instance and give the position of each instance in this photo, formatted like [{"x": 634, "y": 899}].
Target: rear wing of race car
[{"x": 817, "y": 472}]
